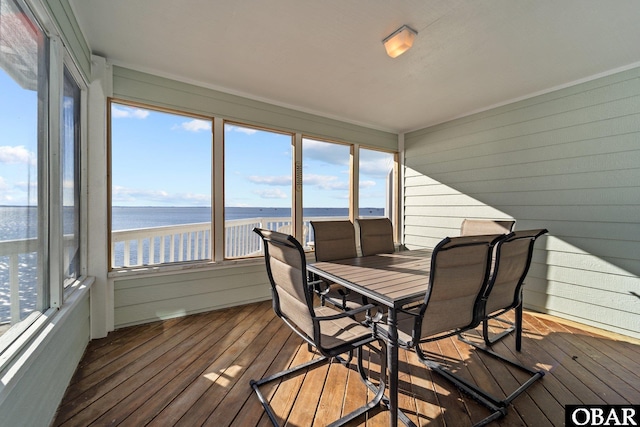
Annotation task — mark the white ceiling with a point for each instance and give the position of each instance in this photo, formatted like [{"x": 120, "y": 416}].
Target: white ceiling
[{"x": 326, "y": 56}]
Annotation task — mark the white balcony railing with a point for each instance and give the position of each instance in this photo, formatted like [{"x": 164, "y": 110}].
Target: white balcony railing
[
  {"x": 192, "y": 242},
  {"x": 10, "y": 252},
  {"x": 141, "y": 247}
]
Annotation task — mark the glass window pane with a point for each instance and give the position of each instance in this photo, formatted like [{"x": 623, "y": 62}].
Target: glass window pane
[
  {"x": 257, "y": 186},
  {"x": 71, "y": 178},
  {"x": 160, "y": 187},
  {"x": 376, "y": 183},
  {"x": 325, "y": 182},
  {"x": 23, "y": 119}
]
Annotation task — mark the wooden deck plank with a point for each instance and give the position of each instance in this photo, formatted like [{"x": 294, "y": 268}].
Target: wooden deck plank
[
  {"x": 247, "y": 330},
  {"x": 196, "y": 371},
  {"x": 156, "y": 394},
  {"x": 101, "y": 390}
]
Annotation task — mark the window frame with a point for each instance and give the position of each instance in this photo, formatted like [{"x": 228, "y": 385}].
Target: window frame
[
  {"x": 52, "y": 293},
  {"x": 218, "y": 186},
  {"x": 294, "y": 182},
  {"x": 212, "y": 236}
]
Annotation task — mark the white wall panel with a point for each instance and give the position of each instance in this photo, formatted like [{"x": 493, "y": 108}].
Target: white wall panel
[
  {"x": 143, "y": 299},
  {"x": 42, "y": 373}
]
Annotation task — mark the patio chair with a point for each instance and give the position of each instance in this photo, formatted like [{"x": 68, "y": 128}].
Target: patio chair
[
  {"x": 331, "y": 332},
  {"x": 455, "y": 303},
  {"x": 513, "y": 259},
  {"x": 376, "y": 236},
  {"x": 472, "y": 227},
  {"x": 336, "y": 240}
]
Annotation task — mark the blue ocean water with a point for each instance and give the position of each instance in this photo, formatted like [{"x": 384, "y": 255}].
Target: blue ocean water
[
  {"x": 21, "y": 222},
  {"x": 126, "y": 218}
]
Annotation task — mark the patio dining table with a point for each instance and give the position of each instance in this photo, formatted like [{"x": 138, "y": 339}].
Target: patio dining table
[{"x": 389, "y": 280}]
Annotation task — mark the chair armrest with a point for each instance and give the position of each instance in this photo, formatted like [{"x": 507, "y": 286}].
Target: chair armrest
[
  {"x": 413, "y": 310},
  {"x": 317, "y": 285},
  {"x": 343, "y": 314}
]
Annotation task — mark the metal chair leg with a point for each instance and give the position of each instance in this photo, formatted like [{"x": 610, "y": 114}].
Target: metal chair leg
[
  {"x": 379, "y": 390},
  {"x": 257, "y": 384},
  {"x": 497, "y": 406}
]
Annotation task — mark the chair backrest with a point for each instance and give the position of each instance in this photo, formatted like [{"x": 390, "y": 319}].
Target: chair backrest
[
  {"x": 287, "y": 268},
  {"x": 376, "y": 236},
  {"x": 458, "y": 279},
  {"x": 513, "y": 259},
  {"x": 472, "y": 227},
  {"x": 334, "y": 240}
]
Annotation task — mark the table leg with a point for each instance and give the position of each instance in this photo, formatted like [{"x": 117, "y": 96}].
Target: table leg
[{"x": 392, "y": 367}]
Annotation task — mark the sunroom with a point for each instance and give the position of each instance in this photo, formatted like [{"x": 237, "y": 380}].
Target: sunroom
[{"x": 142, "y": 141}]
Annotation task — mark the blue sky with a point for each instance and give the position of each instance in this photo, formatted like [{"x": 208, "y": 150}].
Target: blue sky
[
  {"x": 18, "y": 148},
  {"x": 164, "y": 159},
  {"x": 161, "y": 159}
]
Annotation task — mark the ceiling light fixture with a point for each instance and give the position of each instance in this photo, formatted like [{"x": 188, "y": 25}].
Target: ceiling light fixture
[{"x": 399, "y": 41}]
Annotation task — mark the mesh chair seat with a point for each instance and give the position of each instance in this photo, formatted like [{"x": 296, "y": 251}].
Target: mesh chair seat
[
  {"x": 376, "y": 236},
  {"x": 513, "y": 259},
  {"x": 336, "y": 240},
  {"x": 339, "y": 332}
]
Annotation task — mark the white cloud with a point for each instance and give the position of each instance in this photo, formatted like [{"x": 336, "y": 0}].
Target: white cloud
[
  {"x": 334, "y": 154},
  {"x": 128, "y": 113},
  {"x": 325, "y": 182},
  {"x": 27, "y": 186},
  {"x": 196, "y": 125},
  {"x": 240, "y": 129},
  {"x": 271, "y": 193},
  {"x": 16, "y": 155},
  {"x": 138, "y": 197},
  {"x": 376, "y": 164},
  {"x": 21, "y": 193},
  {"x": 367, "y": 184},
  {"x": 271, "y": 180}
]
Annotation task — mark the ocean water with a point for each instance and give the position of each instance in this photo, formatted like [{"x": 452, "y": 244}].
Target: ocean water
[
  {"x": 20, "y": 222},
  {"x": 126, "y": 218}
]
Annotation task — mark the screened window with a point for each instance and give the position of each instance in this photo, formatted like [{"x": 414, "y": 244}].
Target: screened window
[
  {"x": 23, "y": 175},
  {"x": 376, "y": 183},
  {"x": 168, "y": 205},
  {"x": 160, "y": 187},
  {"x": 325, "y": 181},
  {"x": 257, "y": 186},
  {"x": 70, "y": 154}
]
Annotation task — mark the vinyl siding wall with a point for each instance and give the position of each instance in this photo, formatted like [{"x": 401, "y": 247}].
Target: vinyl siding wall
[
  {"x": 147, "y": 298},
  {"x": 568, "y": 161}
]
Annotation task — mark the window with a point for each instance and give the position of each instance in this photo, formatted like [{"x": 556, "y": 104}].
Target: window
[
  {"x": 70, "y": 155},
  {"x": 160, "y": 187},
  {"x": 376, "y": 183},
  {"x": 257, "y": 186},
  {"x": 40, "y": 151},
  {"x": 170, "y": 204},
  {"x": 24, "y": 87},
  {"x": 325, "y": 181}
]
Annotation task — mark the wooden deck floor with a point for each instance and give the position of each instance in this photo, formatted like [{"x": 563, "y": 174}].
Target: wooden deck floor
[{"x": 195, "y": 371}]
